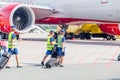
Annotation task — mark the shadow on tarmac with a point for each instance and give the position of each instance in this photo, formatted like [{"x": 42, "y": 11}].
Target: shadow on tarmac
[
  {"x": 32, "y": 64},
  {"x": 35, "y": 65}
]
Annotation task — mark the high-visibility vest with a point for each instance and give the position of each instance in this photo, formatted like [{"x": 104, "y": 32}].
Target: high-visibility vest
[
  {"x": 10, "y": 41},
  {"x": 49, "y": 45},
  {"x": 60, "y": 41}
]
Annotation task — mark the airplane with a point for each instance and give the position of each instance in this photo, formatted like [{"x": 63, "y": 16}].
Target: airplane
[{"x": 103, "y": 12}]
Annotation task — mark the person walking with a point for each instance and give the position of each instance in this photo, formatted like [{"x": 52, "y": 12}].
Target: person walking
[
  {"x": 61, "y": 47},
  {"x": 12, "y": 46},
  {"x": 50, "y": 45}
]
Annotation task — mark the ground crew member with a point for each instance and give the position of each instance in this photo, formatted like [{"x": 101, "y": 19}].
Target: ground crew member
[
  {"x": 61, "y": 47},
  {"x": 50, "y": 45},
  {"x": 12, "y": 46}
]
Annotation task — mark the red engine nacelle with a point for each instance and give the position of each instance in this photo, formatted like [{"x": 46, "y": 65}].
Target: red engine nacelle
[
  {"x": 16, "y": 14},
  {"x": 113, "y": 29}
]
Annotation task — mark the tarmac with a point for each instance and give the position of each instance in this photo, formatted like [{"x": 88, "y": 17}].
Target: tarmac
[{"x": 94, "y": 59}]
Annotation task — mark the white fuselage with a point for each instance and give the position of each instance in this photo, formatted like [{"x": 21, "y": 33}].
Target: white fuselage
[{"x": 105, "y": 10}]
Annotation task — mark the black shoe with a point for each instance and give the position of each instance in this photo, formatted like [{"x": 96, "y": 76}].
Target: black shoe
[
  {"x": 8, "y": 67},
  {"x": 58, "y": 63},
  {"x": 42, "y": 63},
  {"x": 19, "y": 66},
  {"x": 48, "y": 66},
  {"x": 61, "y": 66}
]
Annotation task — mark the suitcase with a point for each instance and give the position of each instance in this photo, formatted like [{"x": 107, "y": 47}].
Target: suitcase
[
  {"x": 118, "y": 57},
  {"x": 53, "y": 60},
  {"x": 4, "y": 59}
]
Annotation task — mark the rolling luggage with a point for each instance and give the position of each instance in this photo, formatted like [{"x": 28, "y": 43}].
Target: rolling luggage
[
  {"x": 53, "y": 60},
  {"x": 4, "y": 59},
  {"x": 118, "y": 57}
]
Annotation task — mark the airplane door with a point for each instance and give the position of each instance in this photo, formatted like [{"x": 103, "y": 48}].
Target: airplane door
[{"x": 104, "y": 1}]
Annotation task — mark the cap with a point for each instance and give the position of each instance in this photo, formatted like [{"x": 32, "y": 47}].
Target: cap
[
  {"x": 62, "y": 31},
  {"x": 13, "y": 26},
  {"x": 51, "y": 31}
]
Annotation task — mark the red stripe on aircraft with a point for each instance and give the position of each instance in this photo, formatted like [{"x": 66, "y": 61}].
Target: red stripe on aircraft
[{"x": 54, "y": 20}]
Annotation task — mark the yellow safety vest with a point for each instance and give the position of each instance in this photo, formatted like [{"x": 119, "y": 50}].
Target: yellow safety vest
[
  {"x": 10, "y": 45},
  {"x": 60, "y": 41},
  {"x": 49, "y": 45}
]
